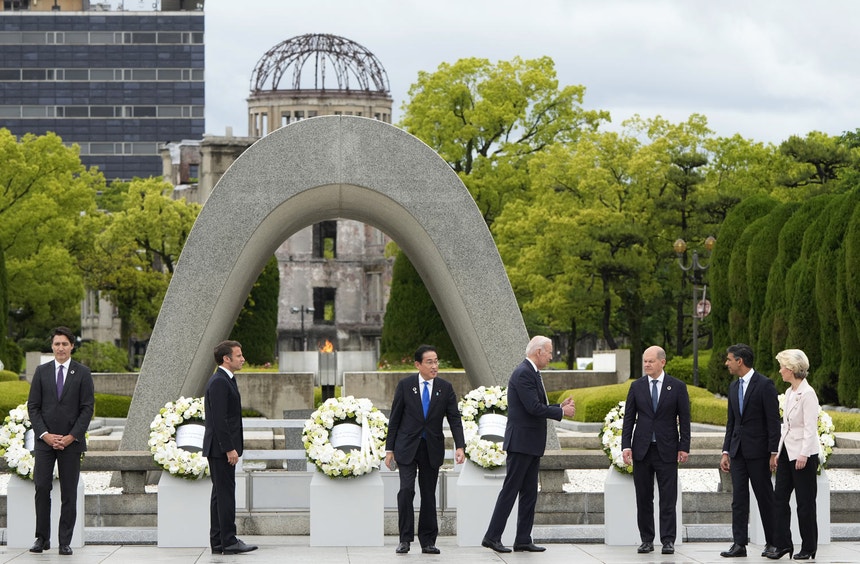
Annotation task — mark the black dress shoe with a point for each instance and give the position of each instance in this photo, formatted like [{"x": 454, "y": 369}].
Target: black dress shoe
[
  {"x": 735, "y": 551},
  {"x": 239, "y": 548},
  {"x": 495, "y": 545},
  {"x": 530, "y": 547},
  {"x": 430, "y": 550},
  {"x": 40, "y": 545},
  {"x": 402, "y": 548},
  {"x": 767, "y": 548},
  {"x": 778, "y": 553},
  {"x": 65, "y": 550},
  {"x": 645, "y": 547},
  {"x": 804, "y": 555},
  {"x": 218, "y": 549},
  {"x": 668, "y": 548}
]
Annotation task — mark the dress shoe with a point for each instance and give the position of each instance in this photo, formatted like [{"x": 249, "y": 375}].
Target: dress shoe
[
  {"x": 530, "y": 547},
  {"x": 645, "y": 547},
  {"x": 430, "y": 550},
  {"x": 735, "y": 551},
  {"x": 402, "y": 548},
  {"x": 767, "y": 548},
  {"x": 495, "y": 545},
  {"x": 65, "y": 550},
  {"x": 218, "y": 549},
  {"x": 804, "y": 555},
  {"x": 668, "y": 548},
  {"x": 40, "y": 545},
  {"x": 778, "y": 553},
  {"x": 239, "y": 548}
]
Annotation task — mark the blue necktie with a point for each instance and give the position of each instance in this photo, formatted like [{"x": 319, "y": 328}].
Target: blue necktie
[
  {"x": 654, "y": 395},
  {"x": 60, "y": 381},
  {"x": 741, "y": 395},
  {"x": 425, "y": 399}
]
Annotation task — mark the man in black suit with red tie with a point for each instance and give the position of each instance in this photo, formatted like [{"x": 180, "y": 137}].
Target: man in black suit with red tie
[
  {"x": 655, "y": 438},
  {"x": 416, "y": 442},
  {"x": 222, "y": 446},
  {"x": 525, "y": 442},
  {"x": 60, "y": 407},
  {"x": 751, "y": 441}
]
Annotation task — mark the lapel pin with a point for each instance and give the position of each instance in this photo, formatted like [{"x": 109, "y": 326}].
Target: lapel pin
[
  {"x": 414, "y": 391},
  {"x": 668, "y": 388}
]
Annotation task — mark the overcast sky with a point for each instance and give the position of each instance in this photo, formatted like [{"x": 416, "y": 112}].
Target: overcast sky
[{"x": 765, "y": 69}]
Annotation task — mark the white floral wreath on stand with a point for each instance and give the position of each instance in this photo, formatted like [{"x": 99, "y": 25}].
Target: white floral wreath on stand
[
  {"x": 162, "y": 439},
  {"x": 481, "y": 400},
  {"x": 12, "y": 442},
  {"x": 610, "y": 436},
  {"x": 826, "y": 437},
  {"x": 336, "y": 463}
]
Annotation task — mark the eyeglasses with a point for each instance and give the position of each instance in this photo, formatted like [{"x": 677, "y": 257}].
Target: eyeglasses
[{"x": 431, "y": 361}]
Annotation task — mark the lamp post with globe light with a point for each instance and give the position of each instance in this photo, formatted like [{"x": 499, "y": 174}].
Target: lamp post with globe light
[{"x": 701, "y": 308}]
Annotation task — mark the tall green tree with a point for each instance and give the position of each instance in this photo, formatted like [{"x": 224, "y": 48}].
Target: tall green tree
[{"x": 257, "y": 325}]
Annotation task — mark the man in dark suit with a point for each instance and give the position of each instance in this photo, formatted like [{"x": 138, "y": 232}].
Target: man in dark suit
[
  {"x": 415, "y": 441},
  {"x": 525, "y": 442},
  {"x": 222, "y": 446},
  {"x": 656, "y": 437},
  {"x": 60, "y": 407},
  {"x": 752, "y": 438}
]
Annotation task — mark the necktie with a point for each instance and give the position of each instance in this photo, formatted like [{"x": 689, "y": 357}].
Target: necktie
[
  {"x": 741, "y": 395},
  {"x": 545, "y": 397},
  {"x": 654, "y": 395},
  {"x": 425, "y": 399},
  {"x": 60, "y": 381}
]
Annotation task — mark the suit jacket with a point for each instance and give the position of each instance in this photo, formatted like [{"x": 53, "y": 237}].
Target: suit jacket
[
  {"x": 406, "y": 423},
  {"x": 70, "y": 414},
  {"x": 528, "y": 411},
  {"x": 799, "y": 432},
  {"x": 754, "y": 434},
  {"x": 223, "y": 406},
  {"x": 670, "y": 424}
]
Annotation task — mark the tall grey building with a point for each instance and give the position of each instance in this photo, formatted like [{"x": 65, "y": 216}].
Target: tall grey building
[{"x": 117, "y": 82}]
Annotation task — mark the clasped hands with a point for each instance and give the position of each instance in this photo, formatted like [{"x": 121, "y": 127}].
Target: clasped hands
[
  {"x": 568, "y": 407},
  {"x": 58, "y": 442}
]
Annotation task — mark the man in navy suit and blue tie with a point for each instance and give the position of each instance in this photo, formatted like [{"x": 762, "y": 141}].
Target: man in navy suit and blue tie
[
  {"x": 655, "y": 438},
  {"x": 525, "y": 442},
  {"x": 415, "y": 441}
]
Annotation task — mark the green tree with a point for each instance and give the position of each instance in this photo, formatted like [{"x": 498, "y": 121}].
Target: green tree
[
  {"x": 257, "y": 325},
  {"x": 102, "y": 357},
  {"x": 818, "y": 159},
  {"x": 4, "y": 309}
]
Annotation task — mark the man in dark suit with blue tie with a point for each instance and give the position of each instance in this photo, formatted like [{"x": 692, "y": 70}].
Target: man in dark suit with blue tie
[
  {"x": 222, "y": 446},
  {"x": 60, "y": 407},
  {"x": 655, "y": 438},
  {"x": 525, "y": 442},
  {"x": 416, "y": 442},
  {"x": 751, "y": 441}
]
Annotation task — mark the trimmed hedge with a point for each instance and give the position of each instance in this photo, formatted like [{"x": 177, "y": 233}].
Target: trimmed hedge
[
  {"x": 108, "y": 405},
  {"x": 12, "y": 394},
  {"x": 8, "y": 376},
  {"x": 845, "y": 422}
]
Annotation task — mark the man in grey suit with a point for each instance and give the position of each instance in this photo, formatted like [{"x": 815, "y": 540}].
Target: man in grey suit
[
  {"x": 525, "y": 442},
  {"x": 222, "y": 446},
  {"x": 60, "y": 407},
  {"x": 416, "y": 442}
]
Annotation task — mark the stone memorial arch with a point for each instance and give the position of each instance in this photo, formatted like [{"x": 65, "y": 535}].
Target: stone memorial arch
[{"x": 315, "y": 170}]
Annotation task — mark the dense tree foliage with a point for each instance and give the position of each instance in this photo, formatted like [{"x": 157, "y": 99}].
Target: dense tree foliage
[{"x": 257, "y": 325}]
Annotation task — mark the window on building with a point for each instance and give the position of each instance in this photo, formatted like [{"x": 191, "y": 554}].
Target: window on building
[
  {"x": 324, "y": 305},
  {"x": 325, "y": 240}
]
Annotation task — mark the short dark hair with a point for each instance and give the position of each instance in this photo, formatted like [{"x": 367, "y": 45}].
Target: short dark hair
[
  {"x": 65, "y": 332},
  {"x": 743, "y": 352},
  {"x": 419, "y": 352},
  {"x": 224, "y": 348}
]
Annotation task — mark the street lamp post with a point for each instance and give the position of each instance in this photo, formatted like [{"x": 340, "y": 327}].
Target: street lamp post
[
  {"x": 302, "y": 310},
  {"x": 700, "y": 309}
]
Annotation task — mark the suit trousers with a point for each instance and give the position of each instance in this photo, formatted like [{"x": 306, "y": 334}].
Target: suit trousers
[
  {"x": 644, "y": 472},
  {"x": 521, "y": 480},
  {"x": 428, "y": 476},
  {"x": 753, "y": 472},
  {"x": 222, "y": 502},
  {"x": 804, "y": 483},
  {"x": 69, "y": 466}
]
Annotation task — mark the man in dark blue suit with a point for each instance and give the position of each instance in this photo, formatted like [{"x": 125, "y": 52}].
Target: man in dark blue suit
[
  {"x": 525, "y": 442},
  {"x": 416, "y": 442},
  {"x": 60, "y": 406},
  {"x": 751, "y": 441},
  {"x": 222, "y": 446},
  {"x": 656, "y": 437}
]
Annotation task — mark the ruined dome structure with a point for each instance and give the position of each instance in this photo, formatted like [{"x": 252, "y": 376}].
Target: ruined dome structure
[{"x": 313, "y": 75}]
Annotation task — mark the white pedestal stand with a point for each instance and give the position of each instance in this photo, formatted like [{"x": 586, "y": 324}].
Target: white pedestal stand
[
  {"x": 347, "y": 511},
  {"x": 477, "y": 491},
  {"x": 619, "y": 511},
  {"x": 822, "y": 516},
  {"x": 183, "y": 511},
  {"x": 21, "y": 513}
]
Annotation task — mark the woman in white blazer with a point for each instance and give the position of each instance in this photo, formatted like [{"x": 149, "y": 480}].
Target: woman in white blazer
[{"x": 796, "y": 461}]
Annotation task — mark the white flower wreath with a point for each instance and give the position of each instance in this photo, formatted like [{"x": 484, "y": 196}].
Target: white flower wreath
[
  {"x": 12, "y": 447},
  {"x": 610, "y": 436},
  {"x": 481, "y": 400},
  {"x": 336, "y": 463},
  {"x": 162, "y": 439},
  {"x": 826, "y": 437}
]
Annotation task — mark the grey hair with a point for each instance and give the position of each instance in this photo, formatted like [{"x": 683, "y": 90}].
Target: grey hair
[
  {"x": 795, "y": 360},
  {"x": 537, "y": 342}
]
